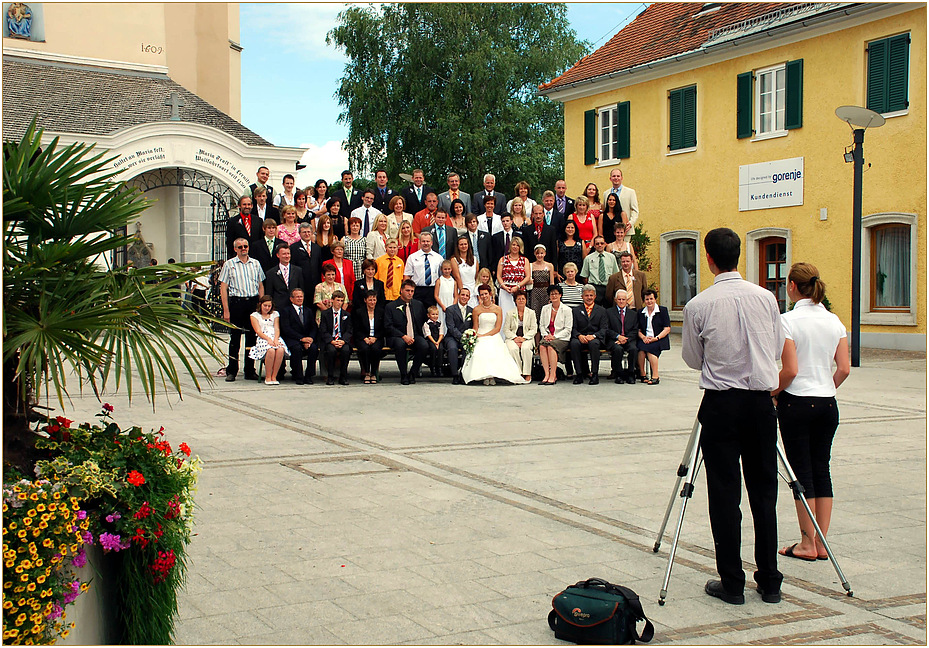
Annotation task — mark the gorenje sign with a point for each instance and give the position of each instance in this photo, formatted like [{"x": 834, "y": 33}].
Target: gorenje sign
[{"x": 771, "y": 184}]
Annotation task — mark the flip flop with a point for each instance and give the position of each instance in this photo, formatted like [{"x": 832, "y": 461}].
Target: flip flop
[{"x": 789, "y": 552}]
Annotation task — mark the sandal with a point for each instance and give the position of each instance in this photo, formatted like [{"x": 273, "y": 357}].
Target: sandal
[
  {"x": 367, "y": 380},
  {"x": 651, "y": 381}
]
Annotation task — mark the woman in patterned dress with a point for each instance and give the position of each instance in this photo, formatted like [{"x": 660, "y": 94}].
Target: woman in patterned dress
[
  {"x": 543, "y": 276},
  {"x": 570, "y": 250},
  {"x": 356, "y": 246},
  {"x": 512, "y": 273}
]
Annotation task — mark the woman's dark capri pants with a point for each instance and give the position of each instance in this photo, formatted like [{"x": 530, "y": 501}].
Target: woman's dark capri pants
[{"x": 808, "y": 425}]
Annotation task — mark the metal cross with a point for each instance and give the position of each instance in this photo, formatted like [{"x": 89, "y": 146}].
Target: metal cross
[{"x": 176, "y": 104}]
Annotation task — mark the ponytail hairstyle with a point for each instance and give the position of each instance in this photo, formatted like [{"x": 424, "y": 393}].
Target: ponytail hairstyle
[{"x": 806, "y": 278}]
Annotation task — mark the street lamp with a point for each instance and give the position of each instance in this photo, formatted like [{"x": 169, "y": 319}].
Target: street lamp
[{"x": 858, "y": 119}]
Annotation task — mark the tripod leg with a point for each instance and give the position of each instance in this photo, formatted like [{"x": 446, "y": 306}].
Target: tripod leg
[
  {"x": 681, "y": 473},
  {"x": 686, "y": 493},
  {"x": 797, "y": 488}
]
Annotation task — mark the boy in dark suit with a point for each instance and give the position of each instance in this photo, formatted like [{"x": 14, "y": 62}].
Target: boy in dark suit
[{"x": 335, "y": 331}]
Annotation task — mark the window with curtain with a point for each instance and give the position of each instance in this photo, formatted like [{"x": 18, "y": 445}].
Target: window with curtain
[
  {"x": 683, "y": 272},
  {"x": 890, "y": 268}
]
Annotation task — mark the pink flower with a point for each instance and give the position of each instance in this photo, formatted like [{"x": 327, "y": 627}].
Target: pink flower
[
  {"x": 111, "y": 542},
  {"x": 80, "y": 559}
]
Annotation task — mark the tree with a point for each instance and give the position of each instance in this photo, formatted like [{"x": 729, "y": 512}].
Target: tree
[
  {"x": 64, "y": 311},
  {"x": 452, "y": 87}
]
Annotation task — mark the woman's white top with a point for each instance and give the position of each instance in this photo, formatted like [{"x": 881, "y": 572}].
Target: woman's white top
[
  {"x": 649, "y": 330},
  {"x": 816, "y": 333}
]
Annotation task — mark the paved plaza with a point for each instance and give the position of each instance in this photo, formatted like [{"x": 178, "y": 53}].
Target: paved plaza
[{"x": 434, "y": 514}]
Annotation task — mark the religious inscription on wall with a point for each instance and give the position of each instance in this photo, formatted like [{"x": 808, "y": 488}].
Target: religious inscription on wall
[
  {"x": 227, "y": 167},
  {"x": 170, "y": 153},
  {"x": 139, "y": 157}
]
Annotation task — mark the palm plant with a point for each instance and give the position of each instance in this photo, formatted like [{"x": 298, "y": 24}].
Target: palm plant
[{"x": 67, "y": 314}]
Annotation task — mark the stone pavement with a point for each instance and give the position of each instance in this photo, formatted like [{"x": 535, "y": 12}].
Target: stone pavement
[{"x": 434, "y": 514}]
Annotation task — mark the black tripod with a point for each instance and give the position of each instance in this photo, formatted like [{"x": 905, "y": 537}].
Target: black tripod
[{"x": 687, "y": 473}]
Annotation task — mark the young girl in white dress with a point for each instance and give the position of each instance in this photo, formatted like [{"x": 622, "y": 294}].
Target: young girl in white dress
[
  {"x": 269, "y": 347},
  {"x": 446, "y": 290},
  {"x": 490, "y": 358}
]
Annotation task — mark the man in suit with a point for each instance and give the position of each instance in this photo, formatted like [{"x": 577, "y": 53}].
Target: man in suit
[
  {"x": 282, "y": 278},
  {"x": 308, "y": 256},
  {"x": 490, "y": 181},
  {"x": 628, "y": 202},
  {"x": 423, "y": 267},
  {"x": 299, "y": 332},
  {"x": 335, "y": 332},
  {"x": 457, "y": 321},
  {"x": 552, "y": 216},
  {"x": 502, "y": 240},
  {"x": 563, "y": 204},
  {"x": 444, "y": 236},
  {"x": 415, "y": 195},
  {"x": 622, "y": 332},
  {"x": 588, "y": 334},
  {"x": 633, "y": 281},
  {"x": 599, "y": 266},
  {"x": 454, "y": 191},
  {"x": 262, "y": 209},
  {"x": 537, "y": 232},
  {"x": 480, "y": 241},
  {"x": 348, "y": 197},
  {"x": 367, "y": 212},
  {"x": 242, "y": 226},
  {"x": 382, "y": 193},
  {"x": 404, "y": 321},
  {"x": 263, "y": 175},
  {"x": 265, "y": 247},
  {"x": 426, "y": 216}
]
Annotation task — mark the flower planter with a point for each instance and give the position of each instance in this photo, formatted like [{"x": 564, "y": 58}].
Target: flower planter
[{"x": 94, "y": 613}]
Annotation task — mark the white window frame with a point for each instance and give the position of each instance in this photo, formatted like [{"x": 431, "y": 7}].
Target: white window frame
[
  {"x": 752, "y": 239},
  {"x": 775, "y": 132},
  {"x": 611, "y": 114},
  {"x": 882, "y": 318},
  {"x": 665, "y": 280}
]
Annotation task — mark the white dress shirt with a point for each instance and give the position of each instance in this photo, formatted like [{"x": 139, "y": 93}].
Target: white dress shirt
[{"x": 816, "y": 333}]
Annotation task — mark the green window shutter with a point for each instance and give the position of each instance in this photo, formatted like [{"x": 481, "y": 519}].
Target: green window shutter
[
  {"x": 622, "y": 116},
  {"x": 793, "y": 109},
  {"x": 743, "y": 101},
  {"x": 590, "y": 137},
  {"x": 898, "y": 60},
  {"x": 877, "y": 79},
  {"x": 682, "y": 126}
]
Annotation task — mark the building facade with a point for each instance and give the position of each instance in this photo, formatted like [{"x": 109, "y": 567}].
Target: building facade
[
  {"x": 157, "y": 85},
  {"x": 724, "y": 115}
]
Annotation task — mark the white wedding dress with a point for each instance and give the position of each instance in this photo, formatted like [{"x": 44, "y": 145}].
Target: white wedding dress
[{"x": 490, "y": 358}]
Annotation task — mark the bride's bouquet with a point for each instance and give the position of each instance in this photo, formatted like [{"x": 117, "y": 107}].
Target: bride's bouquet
[{"x": 468, "y": 340}]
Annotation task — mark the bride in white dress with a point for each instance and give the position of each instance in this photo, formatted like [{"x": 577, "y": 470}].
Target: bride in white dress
[{"x": 490, "y": 358}]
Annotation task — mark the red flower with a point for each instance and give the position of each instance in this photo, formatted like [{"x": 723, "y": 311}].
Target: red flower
[
  {"x": 144, "y": 511},
  {"x": 140, "y": 538},
  {"x": 136, "y": 478},
  {"x": 185, "y": 449},
  {"x": 108, "y": 408},
  {"x": 63, "y": 421},
  {"x": 53, "y": 428}
]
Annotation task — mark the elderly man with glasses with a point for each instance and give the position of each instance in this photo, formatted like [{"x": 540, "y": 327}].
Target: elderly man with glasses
[{"x": 240, "y": 286}]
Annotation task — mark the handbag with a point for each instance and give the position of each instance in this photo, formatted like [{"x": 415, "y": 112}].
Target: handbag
[{"x": 595, "y": 611}]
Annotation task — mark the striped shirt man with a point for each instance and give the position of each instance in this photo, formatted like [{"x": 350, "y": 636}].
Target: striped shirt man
[{"x": 242, "y": 277}]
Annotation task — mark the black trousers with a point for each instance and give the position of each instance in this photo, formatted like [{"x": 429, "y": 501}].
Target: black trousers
[
  {"x": 617, "y": 351},
  {"x": 369, "y": 355},
  {"x": 199, "y": 301},
  {"x": 741, "y": 425},
  {"x": 580, "y": 363},
  {"x": 297, "y": 355},
  {"x": 240, "y": 311},
  {"x": 808, "y": 425},
  {"x": 451, "y": 349},
  {"x": 401, "y": 351},
  {"x": 341, "y": 356},
  {"x": 426, "y": 294}
]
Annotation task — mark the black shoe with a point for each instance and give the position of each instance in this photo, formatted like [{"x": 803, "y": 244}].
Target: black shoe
[
  {"x": 715, "y": 588},
  {"x": 330, "y": 381},
  {"x": 456, "y": 380},
  {"x": 578, "y": 379},
  {"x": 405, "y": 380},
  {"x": 230, "y": 378},
  {"x": 412, "y": 379},
  {"x": 611, "y": 376},
  {"x": 630, "y": 380},
  {"x": 594, "y": 380},
  {"x": 619, "y": 381},
  {"x": 252, "y": 377},
  {"x": 299, "y": 382},
  {"x": 343, "y": 381},
  {"x": 308, "y": 381},
  {"x": 769, "y": 597}
]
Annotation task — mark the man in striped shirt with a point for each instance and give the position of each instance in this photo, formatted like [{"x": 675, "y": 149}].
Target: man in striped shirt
[{"x": 240, "y": 286}]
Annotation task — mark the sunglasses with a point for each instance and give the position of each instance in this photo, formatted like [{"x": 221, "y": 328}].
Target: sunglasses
[{"x": 241, "y": 247}]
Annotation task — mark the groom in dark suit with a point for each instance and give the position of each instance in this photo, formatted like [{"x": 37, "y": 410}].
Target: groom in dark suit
[
  {"x": 282, "y": 278},
  {"x": 622, "y": 332},
  {"x": 299, "y": 332},
  {"x": 403, "y": 325},
  {"x": 457, "y": 321}
]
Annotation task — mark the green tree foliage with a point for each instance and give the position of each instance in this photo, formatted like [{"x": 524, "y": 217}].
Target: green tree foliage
[{"x": 452, "y": 87}]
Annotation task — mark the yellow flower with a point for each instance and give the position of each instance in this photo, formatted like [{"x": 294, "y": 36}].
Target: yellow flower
[
  {"x": 24, "y": 578},
  {"x": 36, "y": 533},
  {"x": 56, "y": 495},
  {"x": 34, "y": 497},
  {"x": 43, "y": 524},
  {"x": 26, "y": 564},
  {"x": 12, "y": 525},
  {"x": 53, "y": 506},
  {"x": 9, "y": 564},
  {"x": 27, "y": 521},
  {"x": 31, "y": 513},
  {"x": 64, "y": 635},
  {"x": 19, "y": 569},
  {"x": 30, "y": 587},
  {"x": 7, "y": 604},
  {"x": 48, "y": 543},
  {"x": 40, "y": 508},
  {"x": 23, "y": 496},
  {"x": 39, "y": 562},
  {"x": 18, "y": 589},
  {"x": 85, "y": 587}
]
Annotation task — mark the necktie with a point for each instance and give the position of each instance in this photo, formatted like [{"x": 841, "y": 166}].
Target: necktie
[
  {"x": 428, "y": 271},
  {"x": 507, "y": 243},
  {"x": 300, "y": 315},
  {"x": 538, "y": 232},
  {"x": 309, "y": 246},
  {"x": 477, "y": 257},
  {"x": 602, "y": 270},
  {"x": 628, "y": 279},
  {"x": 561, "y": 205},
  {"x": 622, "y": 319},
  {"x": 441, "y": 238},
  {"x": 247, "y": 220},
  {"x": 419, "y": 194},
  {"x": 335, "y": 326},
  {"x": 548, "y": 217},
  {"x": 454, "y": 195},
  {"x": 285, "y": 270},
  {"x": 270, "y": 242},
  {"x": 390, "y": 273},
  {"x": 367, "y": 225},
  {"x": 409, "y": 320}
]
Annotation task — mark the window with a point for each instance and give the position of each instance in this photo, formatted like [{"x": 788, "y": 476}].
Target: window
[
  {"x": 769, "y": 102},
  {"x": 683, "y": 272},
  {"x": 682, "y": 128},
  {"x": 606, "y": 134},
  {"x": 888, "y": 74},
  {"x": 772, "y": 270},
  {"x": 890, "y": 268}
]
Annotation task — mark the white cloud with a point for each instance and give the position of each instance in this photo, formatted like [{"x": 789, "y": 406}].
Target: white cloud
[
  {"x": 298, "y": 29},
  {"x": 326, "y": 161}
]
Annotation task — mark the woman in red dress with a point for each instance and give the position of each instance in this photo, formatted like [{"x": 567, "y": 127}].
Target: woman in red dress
[
  {"x": 344, "y": 268},
  {"x": 585, "y": 222}
]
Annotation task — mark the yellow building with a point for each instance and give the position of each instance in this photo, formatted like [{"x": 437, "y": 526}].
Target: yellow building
[{"x": 724, "y": 115}]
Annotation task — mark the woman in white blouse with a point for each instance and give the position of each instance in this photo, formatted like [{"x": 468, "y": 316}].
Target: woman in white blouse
[
  {"x": 806, "y": 406},
  {"x": 555, "y": 324},
  {"x": 519, "y": 329}
]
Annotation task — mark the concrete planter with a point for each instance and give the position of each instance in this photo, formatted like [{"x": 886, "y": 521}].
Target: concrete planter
[{"x": 94, "y": 613}]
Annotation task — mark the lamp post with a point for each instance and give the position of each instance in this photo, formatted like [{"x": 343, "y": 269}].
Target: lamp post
[{"x": 858, "y": 119}]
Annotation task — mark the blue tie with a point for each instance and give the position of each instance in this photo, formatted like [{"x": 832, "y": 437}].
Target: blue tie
[
  {"x": 428, "y": 273},
  {"x": 441, "y": 238}
]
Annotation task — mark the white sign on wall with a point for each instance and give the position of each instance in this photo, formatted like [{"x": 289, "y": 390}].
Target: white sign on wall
[{"x": 771, "y": 184}]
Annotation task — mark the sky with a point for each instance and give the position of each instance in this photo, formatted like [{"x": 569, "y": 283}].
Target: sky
[{"x": 299, "y": 75}]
